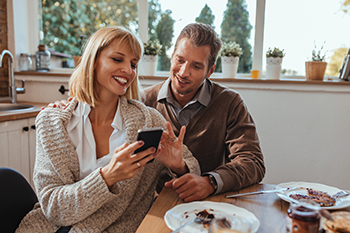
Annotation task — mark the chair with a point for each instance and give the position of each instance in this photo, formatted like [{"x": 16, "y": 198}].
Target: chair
[{"x": 17, "y": 198}]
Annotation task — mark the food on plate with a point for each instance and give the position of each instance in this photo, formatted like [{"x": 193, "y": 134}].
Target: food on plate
[
  {"x": 223, "y": 226},
  {"x": 206, "y": 217},
  {"x": 341, "y": 223},
  {"x": 223, "y": 223},
  {"x": 322, "y": 198}
]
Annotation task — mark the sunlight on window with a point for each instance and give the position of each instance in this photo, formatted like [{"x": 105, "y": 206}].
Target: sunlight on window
[
  {"x": 238, "y": 27},
  {"x": 304, "y": 26}
]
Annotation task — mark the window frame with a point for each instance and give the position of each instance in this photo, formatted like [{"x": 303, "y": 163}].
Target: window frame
[{"x": 27, "y": 11}]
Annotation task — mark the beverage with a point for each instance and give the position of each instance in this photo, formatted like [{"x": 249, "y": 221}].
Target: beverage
[{"x": 303, "y": 219}]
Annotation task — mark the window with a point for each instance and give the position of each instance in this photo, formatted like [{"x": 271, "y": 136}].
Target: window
[
  {"x": 232, "y": 20},
  {"x": 66, "y": 23},
  {"x": 298, "y": 30},
  {"x": 304, "y": 26}
]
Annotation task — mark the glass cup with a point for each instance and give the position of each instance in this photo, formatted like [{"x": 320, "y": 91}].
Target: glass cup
[
  {"x": 303, "y": 219},
  {"x": 255, "y": 73}
]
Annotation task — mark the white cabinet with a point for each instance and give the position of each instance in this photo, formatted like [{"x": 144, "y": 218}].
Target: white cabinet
[{"x": 17, "y": 146}]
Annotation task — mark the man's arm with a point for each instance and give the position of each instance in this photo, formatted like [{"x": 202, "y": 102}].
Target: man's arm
[{"x": 246, "y": 165}]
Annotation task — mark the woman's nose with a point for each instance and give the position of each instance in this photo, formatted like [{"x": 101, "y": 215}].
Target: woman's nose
[{"x": 127, "y": 68}]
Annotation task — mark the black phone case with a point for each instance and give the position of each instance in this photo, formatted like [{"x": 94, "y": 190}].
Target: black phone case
[{"x": 151, "y": 138}]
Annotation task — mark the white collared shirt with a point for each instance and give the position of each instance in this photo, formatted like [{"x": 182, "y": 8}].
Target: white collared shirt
[{"x": 80, "y": 132}]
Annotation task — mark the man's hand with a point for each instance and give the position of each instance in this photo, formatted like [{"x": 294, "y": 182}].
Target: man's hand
[
  {"x": 170, "y": 150},
  {"x": 62, "y": 104},
  {"x": 191, "y": 187}
]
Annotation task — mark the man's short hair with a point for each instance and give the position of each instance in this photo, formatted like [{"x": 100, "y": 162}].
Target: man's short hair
[{"x": 202, "y": 34}]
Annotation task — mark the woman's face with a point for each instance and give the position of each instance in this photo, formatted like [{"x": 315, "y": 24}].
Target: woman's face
[{"x": 115, "y": 69}]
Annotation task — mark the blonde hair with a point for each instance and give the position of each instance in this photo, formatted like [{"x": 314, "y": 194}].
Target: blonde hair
[{"x": 81, "y": 84}]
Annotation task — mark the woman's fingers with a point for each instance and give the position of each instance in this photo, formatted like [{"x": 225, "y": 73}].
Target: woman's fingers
[
  {"x": 143, "y": 161},
  {"x": 125, "y": 164},
  {"x": 145, "y": 155},
  {"x": 120, "y": 148},
  {"x": 126, "y": 152}
]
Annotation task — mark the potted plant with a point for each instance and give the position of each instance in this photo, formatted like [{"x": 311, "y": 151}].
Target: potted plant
[
  {"x": 148, "y": 63},
  {"x": 316, "y": 68},
  {"x": 230, "y": 53},
  {"x": 274, "y": 57},
  {"x": 77, "y": 56}
]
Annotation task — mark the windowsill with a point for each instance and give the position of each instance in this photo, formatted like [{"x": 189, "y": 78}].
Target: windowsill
[{"x": 215, "y": 77}]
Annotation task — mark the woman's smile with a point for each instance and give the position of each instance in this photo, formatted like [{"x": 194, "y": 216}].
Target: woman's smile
[{"x": 121, "y": 80}]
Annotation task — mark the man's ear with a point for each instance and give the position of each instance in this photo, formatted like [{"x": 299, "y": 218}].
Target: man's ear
[{"x": 211, "y": 71}]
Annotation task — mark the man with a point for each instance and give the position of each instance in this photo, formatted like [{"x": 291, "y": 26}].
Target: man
[{"x": 220, "y": 133}]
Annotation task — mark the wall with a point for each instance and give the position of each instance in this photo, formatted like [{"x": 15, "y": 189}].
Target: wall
[
  {"x": 304, "y": 128},
  {"x": 304, "y": 135},
  {"x": 3, "y": 45}
]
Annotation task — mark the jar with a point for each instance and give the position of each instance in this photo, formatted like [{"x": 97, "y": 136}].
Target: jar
[
  {"x": 33, "y": 67},
  {"x": 25, "y": 62},
  {"x": 43, "y": 58},
  {"x": 303, "y": 219}
]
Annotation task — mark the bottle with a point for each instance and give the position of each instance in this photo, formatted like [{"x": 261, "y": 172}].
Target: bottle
[
  {"x": 25, "y": 62},
  {"x": 303, "y": 219},
  {"x": 43, "y": 58},
  {"x": 33, "y": 67}
]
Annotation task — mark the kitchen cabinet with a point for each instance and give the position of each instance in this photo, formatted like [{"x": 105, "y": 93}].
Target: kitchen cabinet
[{"x": 17, "y": 146}]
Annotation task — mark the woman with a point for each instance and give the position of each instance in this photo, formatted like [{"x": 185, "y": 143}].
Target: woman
[{"x": 81, "y": 180}]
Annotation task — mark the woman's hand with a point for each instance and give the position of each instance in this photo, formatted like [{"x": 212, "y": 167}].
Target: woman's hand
[
  {"x": 170, "y": 150},
  {"x": 125, "y": 164}
]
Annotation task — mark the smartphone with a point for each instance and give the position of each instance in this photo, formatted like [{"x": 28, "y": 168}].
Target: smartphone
[{"x": 150, "y": 137}]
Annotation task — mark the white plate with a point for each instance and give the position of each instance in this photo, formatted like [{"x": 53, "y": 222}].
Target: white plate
[
  {"x": 240, "y": 219},
  {"x": 342, "y": 202}
]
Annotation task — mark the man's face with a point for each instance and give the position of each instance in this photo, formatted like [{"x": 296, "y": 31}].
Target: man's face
[{"x": 189, "y": 68}]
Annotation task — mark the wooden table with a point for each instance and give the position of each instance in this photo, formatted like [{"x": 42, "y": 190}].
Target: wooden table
[{"x": 268, "y": 208}]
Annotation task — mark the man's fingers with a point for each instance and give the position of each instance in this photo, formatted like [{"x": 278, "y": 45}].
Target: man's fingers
[
  {"x": 182, "y": 133},
  {"x": 170, "y": 131}
]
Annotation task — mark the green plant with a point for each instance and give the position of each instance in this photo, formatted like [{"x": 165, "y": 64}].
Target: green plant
[
  {"x": 275, "y": 52},
  {"x": 231, "y": 49},
  {"x": 316, "y": 54},
  {"x": 152, "y": 47}
]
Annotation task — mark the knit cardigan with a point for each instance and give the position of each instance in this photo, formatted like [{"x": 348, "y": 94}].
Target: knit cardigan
[{"x": 88, "y": 205}]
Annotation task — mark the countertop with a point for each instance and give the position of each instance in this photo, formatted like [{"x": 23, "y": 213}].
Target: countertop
[{"x": 21, "y": 114}]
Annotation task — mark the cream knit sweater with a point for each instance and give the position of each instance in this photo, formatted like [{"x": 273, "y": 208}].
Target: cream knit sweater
[{"x": 88, "y": 204}]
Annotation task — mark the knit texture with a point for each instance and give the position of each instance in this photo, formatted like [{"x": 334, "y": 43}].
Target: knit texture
[{"x": 88, "y": 204}]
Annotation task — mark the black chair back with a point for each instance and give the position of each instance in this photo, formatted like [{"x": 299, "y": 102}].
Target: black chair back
[{"x": 17, "y": 198}]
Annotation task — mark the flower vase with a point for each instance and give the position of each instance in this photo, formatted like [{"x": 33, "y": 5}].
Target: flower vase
[
  {"x": 273, "y": 67},
  {"x": 314, "y": 70},
  {"x": 229, "y": 66},
  {"x": 148, "y": 65}
]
